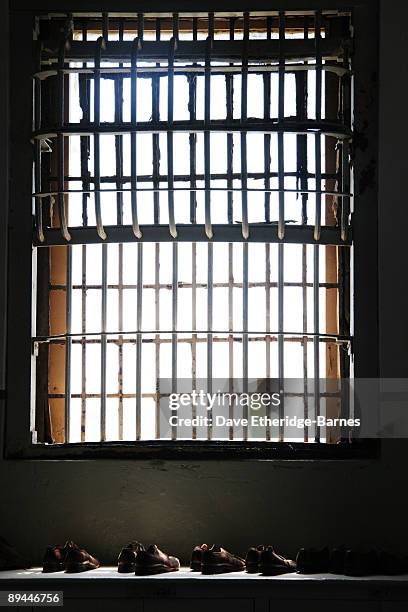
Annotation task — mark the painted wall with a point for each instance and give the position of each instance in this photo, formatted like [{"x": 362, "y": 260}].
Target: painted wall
[{"x": 103, "y": 505}]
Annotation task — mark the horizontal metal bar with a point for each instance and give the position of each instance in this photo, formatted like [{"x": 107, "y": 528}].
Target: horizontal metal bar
[
  {"x": 46, "y": 194},
  {"x": 216, "y": 176},
  {"x": 189, "y": 50},
  {"x": 294, "y": 234},
  {"x": 152, "y": 332},
  {"x": 288, "y": 125},
  {"x": 183, "y": 285},
  {"x": 195, "y": 70}
]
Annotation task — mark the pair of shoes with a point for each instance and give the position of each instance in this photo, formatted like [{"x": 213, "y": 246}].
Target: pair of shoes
[
  {"x": 215, "y": 560},
  {"x": 10, "y": 558},
  {"x": 264, "y": 560},
  {"x": 350, "y": 562},
  {"x": 69, "y": 558},
  {"x": 134, "y": 557}
]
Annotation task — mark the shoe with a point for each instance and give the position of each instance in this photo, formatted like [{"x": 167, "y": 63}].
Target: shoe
[
  {"x": 392, "y": 565},
  {"x": 336, "y": 560},
  {"x": 127, "y": 557},
  {"x": 253, "y": 559},
  {"x": 272, "y": 564},
  {"x": 154, "y": 561},
  {"x": 79, "y": 560},
  {"x": 217, "y": 560},
  {"x": 197, "y": 557},
  {"x": 10, "y": 558},
  {"x": 312, "y": 561},
  {"x": 361, "y": 563},
  {"x": 54, "y": 557}
]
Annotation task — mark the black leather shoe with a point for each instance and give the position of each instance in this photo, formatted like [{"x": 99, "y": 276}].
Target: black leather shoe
[
  {"x": 272, "y": 564},
  {"x": 253, "y": 559},
  {"x": 313, "y": 561},
  {"x": 197, "y": 557},
  {"x": 361, "y": 563},
  {"x": 392, "y": 565},
  {"x": 127, "y": 557},
  {"x": 154, "y": 561},
  {"x": 336, "y": 561},
  {"x": 217, "y": 560},
  {"x": 54, "y": 557}
]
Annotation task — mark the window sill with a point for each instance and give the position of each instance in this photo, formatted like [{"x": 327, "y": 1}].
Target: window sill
[{"x": 200, "y": 450}]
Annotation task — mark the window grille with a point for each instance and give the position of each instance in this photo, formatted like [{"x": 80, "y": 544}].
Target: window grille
[{"x": 192, "y": 203}]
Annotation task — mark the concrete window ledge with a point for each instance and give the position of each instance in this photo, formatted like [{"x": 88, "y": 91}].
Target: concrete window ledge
[{"x": 104, "y": 590}]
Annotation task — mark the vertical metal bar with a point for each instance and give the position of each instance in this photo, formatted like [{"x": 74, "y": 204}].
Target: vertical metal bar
[
  {"x": 305, "y": 342},
  {"x": 194, "y": 327},
  {"x": 192, "y": 107},
  {"x": 174, "y": 328},
  {"x": 156, "y": 204},
  {"x": 267, "y": 137},
  {"x": 268, "y": 328},
  {"x": 244, "y": 113},
  {"x": 37, "y": 149},
  {"x": 104, "y": 306},
  {"x": 139, "y": 339},
  {"x": 156, "y": 146},
  {"x": 83, "y": 345},
  {"x": 230, "y": 330},
  {"x": 209, "y": 329},
  {"x": 245, "y": 330},
  {"x": 119, "y": 216},
  {"x": 281, "y": 341},
  {"x": 316, "y": 338},
  {"x": 84, "y": 101},
  {"x": 105, "y": 25},
  {"x": 318, "y": 137},
  {"x": 207, "y": 133},
  {"x": 68, "y": 343},
  {"x": 170, "y": 113},
  {"x": 133, "y": 144},
  {"x": 281, "y": 115},
  {"x": 229, "y": 88},
  {"x": 302, "y": 179},
  {"x": 345, "y": 146},
  {"x": 140, "y": 26},
  {"x": 176, "y": 25},
  {"x": 100, "y": 44},
  {"x": 61, "y": 145},
  {"x": 157, "y": 336}
]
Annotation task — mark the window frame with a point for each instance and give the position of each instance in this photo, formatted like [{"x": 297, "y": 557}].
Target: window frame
[{"x": 20, "y": 304}]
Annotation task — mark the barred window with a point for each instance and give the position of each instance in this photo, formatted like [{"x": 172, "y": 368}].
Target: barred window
[{"x": 192, "y": 201}]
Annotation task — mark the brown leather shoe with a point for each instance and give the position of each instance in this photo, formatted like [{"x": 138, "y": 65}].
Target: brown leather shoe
[
  {"x": 127, "y": 557},
  {"x": 10, "y": 558},
  {"x": 79, "y": 560},
  {"x": 197, "y": 557},
  {"x": 54, "y": 557},
  {"x": 217, "y": 560},
  {"x": 154, "y": 561},
  {"x": 253, "y": 559},
  {"x": 272, "y": 564}
]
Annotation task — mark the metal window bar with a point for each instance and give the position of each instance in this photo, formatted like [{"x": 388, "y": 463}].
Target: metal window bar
[{"x": 258, "y": 57}]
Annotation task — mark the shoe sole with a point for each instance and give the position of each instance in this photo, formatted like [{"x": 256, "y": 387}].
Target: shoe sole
[
  {"x": 275, "y": 570},
  {"x": 151, "y": 570},
  {"x": 126, "y": 568},
  {"x": 50, "y": 568},
  {"x": 252, "y": 568},
  {"x": 220, "y": 569},
  {"x": 77, "y": 568}
]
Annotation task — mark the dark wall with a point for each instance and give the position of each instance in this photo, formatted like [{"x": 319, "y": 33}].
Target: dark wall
[{"x": 103, "y": 504}]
